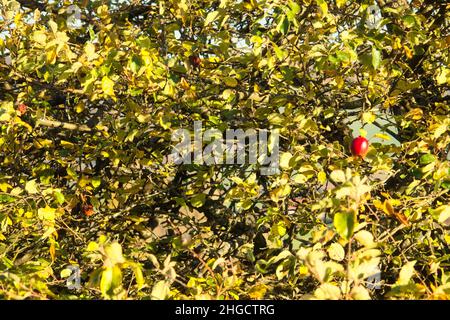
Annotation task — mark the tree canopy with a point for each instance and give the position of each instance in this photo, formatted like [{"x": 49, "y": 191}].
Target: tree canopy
[{"x": 91, "y": 93}]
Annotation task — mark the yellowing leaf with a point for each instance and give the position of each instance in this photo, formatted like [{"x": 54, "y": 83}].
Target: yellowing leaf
[
  {"x": 40, "y": 37},
  {"x": 383, "y": 136},
  {"x": 322, "y": 177},
  {"x": 415, "y": 114},
  {"x": 31, "y": 187},
  {"x": 114, "y": 253},
  {"x": 336, "y": 252},
  {"x": 257, "y": 292},
  {"x": 328, "y": 291},
  {"x": 338, "y": 176},
  {"x": 53, "y": 26},
  {"x": 443, "y": 76},
  {"x": 284, "y": 160},
  {"x": 362, "y": 132},
  {"x": 368, "y": 117},
  {"x": 344, "y": 222},
  {"x": 160, "y": 290},
  {"x": 406, "y": 273},
  {"x": 340, "y": 3},
  {"x": 230, "y": 82},
  {"x": 47, "y": 213},
  {"x": 89, "y": 50},
  {"x": 108, "y": 86},
  {"x": 211, "y": 17},
  {"x": 408, "y": 52},
  {"x": 198, "y": 200},
  {"x": 323, "y": 7},
  {"x": 365, "y": 238}
]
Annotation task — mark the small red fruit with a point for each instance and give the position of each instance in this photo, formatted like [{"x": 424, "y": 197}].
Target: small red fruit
[
  {"x": 88, "y": 209},
  {"x": 360, "y": 146},
  {"x": 22, "y": 108},
  {"x": 195, "y": 61}
]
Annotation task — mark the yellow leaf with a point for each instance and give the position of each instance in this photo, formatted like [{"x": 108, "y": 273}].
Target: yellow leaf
[
  {"x": 46, "y": 213},
  {"x": 114, "y": 253},
  {"x": 340, "y": 3},
  {"x": 408, "y": 52},
  {"x": 322, "y": 177},
  {"x": 4, "y": 186},
  {"x": 42, "y": 143},
  {"x": 443, "y": 76},
  {"x": 31, "y": 187},
  {"x": 257, "y": 292},
  {"x": 53, "y": 26},
  {"x": 415, "y": 114},
  {"x": 383, "y": 136},
  {"x": 67, "y": 144},
  {"x": 438, "y": 129},
  {"x": 52, "y": 251},
  {"x": 368, "y": 117},
  {"x": 89, "y": 50},
  {"x": 211, "y": 17},
  {"x": 362, "y": 132},
  {"x": 323, "y": 7},
  {"x": 284, "y": 160},
  {"x": 108, "y": 86},
  {"x": 40, "y": 37}
]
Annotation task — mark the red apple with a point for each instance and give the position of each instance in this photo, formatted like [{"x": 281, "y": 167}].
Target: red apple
[{"x": 360, "y": 146}]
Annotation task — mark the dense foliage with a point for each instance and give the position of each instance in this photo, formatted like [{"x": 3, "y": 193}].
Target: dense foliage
[{"x": 91, "y": 94}]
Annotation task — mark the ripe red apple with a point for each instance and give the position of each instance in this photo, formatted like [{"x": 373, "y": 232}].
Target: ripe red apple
[{"x": 360, "y": 146}]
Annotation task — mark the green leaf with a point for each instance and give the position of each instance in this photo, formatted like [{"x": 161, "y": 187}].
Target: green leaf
[
  {"x": 376, "y": 58},
  {"x": 283, "y": 25},
  {"x": 65, "y": 273},
  {"x": 96, "y": 182},
  {"x": 198, "y": 200},
  {"x": 344, "y": 222},
  {"x": 135, "y": 64},
  {"x": 230, "y": 82},
  {"x": 59, "y": 197},
  {"x": 106, "y": 279},
  {"x": 137, "y": 270},
  {"x": 426, "y": 159}
]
